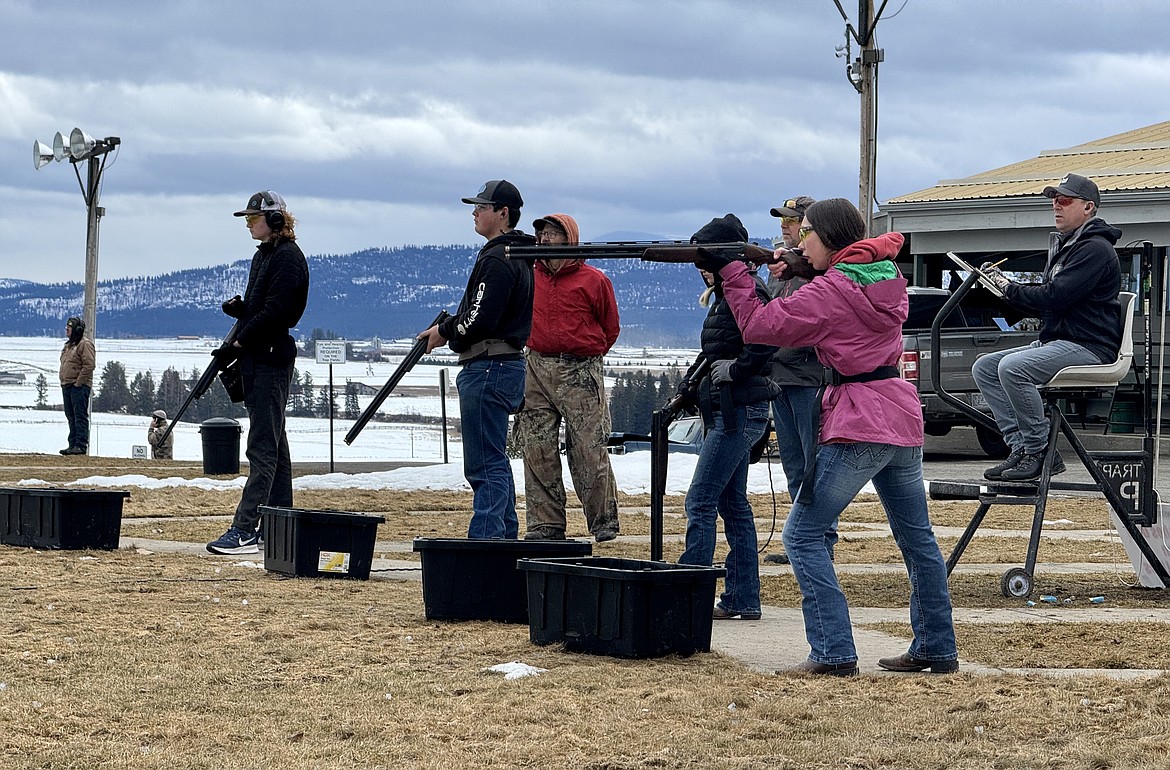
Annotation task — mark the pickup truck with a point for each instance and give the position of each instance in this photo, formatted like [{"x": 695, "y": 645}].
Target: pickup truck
[{"x": 968, "y": 333}]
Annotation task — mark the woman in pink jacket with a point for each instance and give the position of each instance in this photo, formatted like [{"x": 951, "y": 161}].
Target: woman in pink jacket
[{"x": 871, "y": 430}]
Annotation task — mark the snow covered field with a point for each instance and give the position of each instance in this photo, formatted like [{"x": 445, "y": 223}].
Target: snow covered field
[{"x": 24, "y": 429}]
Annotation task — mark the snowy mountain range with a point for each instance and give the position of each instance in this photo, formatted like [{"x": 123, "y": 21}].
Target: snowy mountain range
[{"x": 386, "y": 293}]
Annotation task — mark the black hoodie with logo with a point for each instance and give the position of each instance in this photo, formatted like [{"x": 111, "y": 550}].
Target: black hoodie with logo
[
  {"x": 497, "y": 304},
  {"x": 1077, "y": 299}
]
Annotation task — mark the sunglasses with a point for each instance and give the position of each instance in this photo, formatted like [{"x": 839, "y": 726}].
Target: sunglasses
[
  {"x": 1063, "y": 200},
  {"x": 804, "y": 231},
  {"x": 790, "y": 220},
  {"x": 253, "y": 218}
]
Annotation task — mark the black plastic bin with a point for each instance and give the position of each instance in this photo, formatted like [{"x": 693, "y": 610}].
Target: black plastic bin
[
  {"x": 70, "y": 519},
  {"x": 626, "y": 608},
  {"x": 308, "y": 543},
  {"x": 221, "y": 445},
  {"x": 466, "y": 579}
]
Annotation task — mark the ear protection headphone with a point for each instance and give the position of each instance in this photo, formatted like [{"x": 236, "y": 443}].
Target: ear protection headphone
[{"x": 275, "y": 218}]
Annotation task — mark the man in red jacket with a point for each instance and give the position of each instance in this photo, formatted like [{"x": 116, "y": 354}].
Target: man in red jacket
[{"x": 574, "y": 324}]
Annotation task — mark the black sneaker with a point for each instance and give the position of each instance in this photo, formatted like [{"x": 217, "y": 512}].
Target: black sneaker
[
  {"x": 995, "y": 472},
  {"x": 234, "y": 541}
]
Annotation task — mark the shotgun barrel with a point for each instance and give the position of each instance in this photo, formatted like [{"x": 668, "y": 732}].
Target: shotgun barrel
[
  {"x": 417, "y": 351},
  {"x": 647, "y": 251},
  {"x": 209, "y": 374}
]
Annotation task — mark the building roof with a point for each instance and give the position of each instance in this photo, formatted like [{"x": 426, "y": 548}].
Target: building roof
[{"x": 1135, "y": 160}]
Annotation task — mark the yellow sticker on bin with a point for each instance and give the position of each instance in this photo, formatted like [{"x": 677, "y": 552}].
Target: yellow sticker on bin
[{"x": 333, "y": 561}]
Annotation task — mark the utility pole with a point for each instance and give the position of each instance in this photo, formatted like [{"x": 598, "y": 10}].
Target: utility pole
[
  {"x": 870, "y": 56},
  {"x": 93, "y": 221},
  {"x": 863, "y": 75}
]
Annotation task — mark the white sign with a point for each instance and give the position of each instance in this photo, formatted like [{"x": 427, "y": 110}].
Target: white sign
[
  {"x": 139, "y": 452},
  {"x": 331, "y": 351}
]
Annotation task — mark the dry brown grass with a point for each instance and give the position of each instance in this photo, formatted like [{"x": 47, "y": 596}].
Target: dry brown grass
[{"x": 132, "y": 659}]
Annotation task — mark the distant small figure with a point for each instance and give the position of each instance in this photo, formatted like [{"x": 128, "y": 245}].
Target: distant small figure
[
  {"x": 76, "y": 374},
  {"x": 164, "y": 449}
]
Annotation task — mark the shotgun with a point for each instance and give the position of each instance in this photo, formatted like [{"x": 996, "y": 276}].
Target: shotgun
[
  {"x": 413, "y": 357},
  {"x": 218, "y": 364},
  {"x": 647, "y": 251}
]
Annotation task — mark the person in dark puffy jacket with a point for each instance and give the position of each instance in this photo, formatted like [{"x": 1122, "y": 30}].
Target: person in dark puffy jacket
[{"x": 733, "y": 394}]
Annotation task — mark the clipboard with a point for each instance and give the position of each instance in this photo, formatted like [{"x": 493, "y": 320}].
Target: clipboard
[{"x": 983, "y": 279}]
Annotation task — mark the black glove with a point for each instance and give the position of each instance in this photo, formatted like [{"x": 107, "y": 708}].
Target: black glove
[
  {"x": 233, "y": 307},
  {"x": 686, "y": 396},
  {"x": 711, "y": 261},
  {"x": 225, "y": 354},
  {"x": 721, "y": 372}
]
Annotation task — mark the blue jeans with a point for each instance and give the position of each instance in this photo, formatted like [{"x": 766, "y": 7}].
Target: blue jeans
[
  {"x": 797, "y": 415},
  {"x": 1009, "y": 380},
  {"x": 76, "y": 405},
  {"x": 842, "y": 470},
  {"x": 489, "y": 391},
  {"x": 720, "y": 486}
]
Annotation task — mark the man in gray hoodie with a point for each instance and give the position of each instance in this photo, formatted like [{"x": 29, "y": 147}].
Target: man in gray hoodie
[{"x": 795, "y": 412}]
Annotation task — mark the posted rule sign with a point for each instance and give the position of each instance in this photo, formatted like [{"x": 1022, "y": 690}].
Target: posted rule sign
[{"x": 331, "y": 351}]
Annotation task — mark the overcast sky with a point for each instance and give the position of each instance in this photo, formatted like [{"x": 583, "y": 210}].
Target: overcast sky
[{"x": 374, "y": 118}]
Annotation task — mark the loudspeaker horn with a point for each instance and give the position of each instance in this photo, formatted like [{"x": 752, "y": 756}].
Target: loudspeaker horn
[
  {"x": 42, "y": 154},
  {"x": 80, "y": 144}
]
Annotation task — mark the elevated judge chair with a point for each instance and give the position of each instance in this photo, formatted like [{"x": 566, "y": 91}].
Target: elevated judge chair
[{"x": 1017, "y": 582}]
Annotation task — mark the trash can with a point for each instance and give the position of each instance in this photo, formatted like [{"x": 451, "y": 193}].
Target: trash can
[{"x": 221, "y": 445}]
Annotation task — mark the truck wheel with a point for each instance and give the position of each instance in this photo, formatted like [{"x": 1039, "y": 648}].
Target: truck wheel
[{"x": 991, "y": 443}]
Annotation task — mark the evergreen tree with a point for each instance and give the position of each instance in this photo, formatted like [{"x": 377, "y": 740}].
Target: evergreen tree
[
  {"x": 351, "y": 401},
  {"x": 42, "y": 386},
  {"x": 318, "y": 334},
  {"x": 171, "y": 394},
  {"x": 325, "y": 405},
  {"x": 113, "y": 394},
  {"x": 142, "y": 394}
]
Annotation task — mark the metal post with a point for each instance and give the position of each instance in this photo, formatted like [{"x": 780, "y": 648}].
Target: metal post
[
  {"x": 92, "y": 192},
  {"x": 443, "y": 407},
  {"x": 331, "y": 418}
]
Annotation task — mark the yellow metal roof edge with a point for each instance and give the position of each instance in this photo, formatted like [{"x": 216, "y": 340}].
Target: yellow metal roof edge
[{"x": 1115, "y": 144}]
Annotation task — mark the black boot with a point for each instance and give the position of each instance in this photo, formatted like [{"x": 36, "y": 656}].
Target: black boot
[
  {"x": 995, "y": 472},
  {"x": 1028, "y": 468}
]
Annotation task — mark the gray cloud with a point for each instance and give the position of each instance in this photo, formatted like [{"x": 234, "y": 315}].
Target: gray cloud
[{"x": 374, "y": 118}]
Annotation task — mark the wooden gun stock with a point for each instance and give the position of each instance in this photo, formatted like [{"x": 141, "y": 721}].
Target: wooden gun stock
[{"x": 417, "y": 351}]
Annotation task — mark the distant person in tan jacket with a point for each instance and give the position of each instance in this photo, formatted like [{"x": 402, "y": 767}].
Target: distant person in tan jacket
[
  {"x": 160, "y": 450},
  {"x": 78, "y": 360}
]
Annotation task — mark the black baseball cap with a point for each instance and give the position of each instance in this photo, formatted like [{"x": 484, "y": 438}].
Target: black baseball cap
[
  {"x": 265, "y": 200},
  {"x": 1075, "y": 186},
  {"x": 498, "y": 192},
  {"x": 793, "y": 207}
]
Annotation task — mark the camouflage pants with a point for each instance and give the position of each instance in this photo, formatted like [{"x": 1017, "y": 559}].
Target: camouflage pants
[{"x": 574, "y": 391}]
